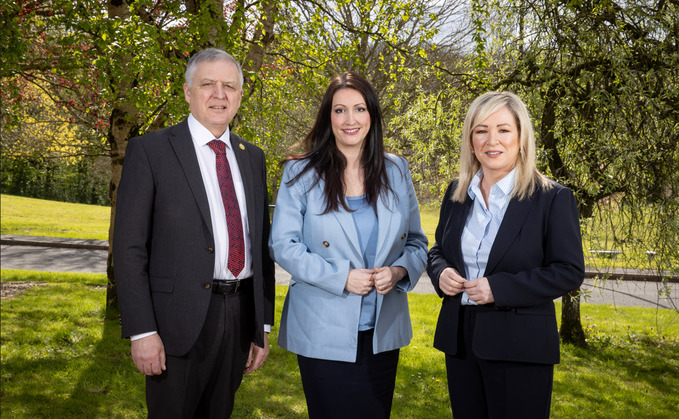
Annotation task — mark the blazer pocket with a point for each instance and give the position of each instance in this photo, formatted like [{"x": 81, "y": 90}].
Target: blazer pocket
[
  {"x": 545, "y": 310},
  {"x": 162, "y": 284},
  {"x": 509, "y": 336}
]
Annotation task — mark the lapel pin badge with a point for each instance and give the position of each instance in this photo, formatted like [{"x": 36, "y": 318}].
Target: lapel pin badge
[{"x": 242, "y": 147}]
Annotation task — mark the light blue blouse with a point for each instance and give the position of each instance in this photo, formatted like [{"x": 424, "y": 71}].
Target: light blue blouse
[
  {"x": 365, "y": 220},
  {"x": 482, "y": 225}
]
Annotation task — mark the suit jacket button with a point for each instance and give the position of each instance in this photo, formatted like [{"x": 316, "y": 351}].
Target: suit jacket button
[
  {"x": 210, "y": 249},
  {"x": 403, "y": 236},
  {"x": 207, "y": 285},
  {"x": 326, "y": 244}
]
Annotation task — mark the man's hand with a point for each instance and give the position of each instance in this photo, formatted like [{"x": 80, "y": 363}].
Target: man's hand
[
  {"x": 360, "y": 281},
  {"x": 387, "y": 277},
  {"x": 450, "y": 282},
  {"x": 479, "y": 291},
  {"x": 148, "y": 354},
  {"x": 257, "y": 356}
]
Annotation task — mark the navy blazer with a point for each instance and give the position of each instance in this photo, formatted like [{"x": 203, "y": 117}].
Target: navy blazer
[
  {"x": 535, "y": 258},
  {"x": 163, "y": 244}
]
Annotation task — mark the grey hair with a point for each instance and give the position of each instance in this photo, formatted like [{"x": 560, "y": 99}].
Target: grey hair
[{"x": 210, "y": 55}]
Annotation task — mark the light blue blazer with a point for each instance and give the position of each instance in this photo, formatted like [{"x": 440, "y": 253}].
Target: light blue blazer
[{"x": 320, "y": 318}]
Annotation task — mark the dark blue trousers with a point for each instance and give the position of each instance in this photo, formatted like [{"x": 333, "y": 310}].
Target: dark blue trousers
[
  {"x": 361, "y": 389},
  {"x": 484, "y": 389}
]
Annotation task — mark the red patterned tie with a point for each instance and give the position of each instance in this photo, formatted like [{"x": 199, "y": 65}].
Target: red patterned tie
[{"x": 233, "y": 219}]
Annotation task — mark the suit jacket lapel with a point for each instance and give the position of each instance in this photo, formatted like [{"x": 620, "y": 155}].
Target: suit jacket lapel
[
  {"x": 456, "y": 230},
  {"x": 246, "y": 172},
  {"x": 384, "y": 222},
  {"x": 346, "y": 222},
  {"x": 514, "y": 218},
  {"x": 180, "y": 139}
]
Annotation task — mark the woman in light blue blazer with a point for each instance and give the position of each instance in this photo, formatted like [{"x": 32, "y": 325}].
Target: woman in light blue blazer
[{"x": 347, "y": 228}]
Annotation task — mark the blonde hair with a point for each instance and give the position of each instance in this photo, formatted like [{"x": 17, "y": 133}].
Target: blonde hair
[{"x": 528, "y": 178}]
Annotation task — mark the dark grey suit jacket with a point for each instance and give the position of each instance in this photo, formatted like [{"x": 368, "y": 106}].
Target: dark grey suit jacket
[
  {"x": 535, "y": 258},
  {"x": 163, "y": 244}
]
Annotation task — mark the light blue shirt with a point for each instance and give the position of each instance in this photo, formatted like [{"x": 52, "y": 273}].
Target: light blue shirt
[
  {"x": 482, "y": 225},
  {"x": 366, "y": 226}
]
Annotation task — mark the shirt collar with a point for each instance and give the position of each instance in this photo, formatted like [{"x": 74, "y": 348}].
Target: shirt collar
[
  {"x": 506, "y": 184},
  {"x": 202, "y": 135}
]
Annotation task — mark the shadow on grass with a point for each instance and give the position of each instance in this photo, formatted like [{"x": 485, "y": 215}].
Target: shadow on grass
[
  {"x": 58, "y": 363},
  {"x": 421, "y": 386},
  {"x": 275, "y": 390},
  {"x": 110, "y": 386}
]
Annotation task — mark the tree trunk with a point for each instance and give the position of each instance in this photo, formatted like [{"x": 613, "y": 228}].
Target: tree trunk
[
  {"x": 262, "y": 38},
  {"x": 571, "y": 326},
  {"x": 123, "y": 126}
]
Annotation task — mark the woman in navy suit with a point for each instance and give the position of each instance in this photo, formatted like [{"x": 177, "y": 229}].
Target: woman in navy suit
[
  {"x": 347, "y": 228},
  {"x": 507, "y": 244}
]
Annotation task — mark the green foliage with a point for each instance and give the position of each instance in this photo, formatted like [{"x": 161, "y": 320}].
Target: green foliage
[
  {"x": 86, "y": 181},
  {"x": 602, "y": 82},
  {"x": 11, "y": 46},
  {"x": 94, "y": 58},
  {"x": 62, "y": 359},
  {"x": 386, "y": 41},
  {"x": 600, "y": 79},
  {"x": 428, "y": 131},
  {"x": 57, "y": 61},
  {"x": 635, "y": 232},
  {"x": 480, "y": 62}
]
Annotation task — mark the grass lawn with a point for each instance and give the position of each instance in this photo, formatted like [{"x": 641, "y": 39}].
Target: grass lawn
[
  {"x": 61, "y": 358},
  {"x": 38, "y": 217}
]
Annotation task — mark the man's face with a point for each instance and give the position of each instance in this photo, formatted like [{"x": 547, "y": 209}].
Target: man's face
[{"x": 214, "y": 95}]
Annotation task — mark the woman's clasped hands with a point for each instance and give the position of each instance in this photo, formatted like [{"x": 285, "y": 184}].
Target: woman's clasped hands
[
  {"x": 383, "y": 280},
  {"x": 478, "y": 290}
]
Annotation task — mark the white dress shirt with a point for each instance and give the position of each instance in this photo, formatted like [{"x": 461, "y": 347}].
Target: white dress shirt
[{"x": 208, "y": 170}]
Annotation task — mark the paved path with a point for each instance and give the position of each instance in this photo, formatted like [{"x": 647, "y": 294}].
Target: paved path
[{"x": 89, "y": 256}]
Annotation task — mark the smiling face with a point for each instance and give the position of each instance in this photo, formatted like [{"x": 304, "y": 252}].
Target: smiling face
[
  {"x": 214, "y": 95},
  {"x": 350, "y": 119},
  {"x": 496, "y": 144}
]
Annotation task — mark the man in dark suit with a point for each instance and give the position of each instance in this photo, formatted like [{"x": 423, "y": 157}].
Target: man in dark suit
[{"x": 194, "y": 276}]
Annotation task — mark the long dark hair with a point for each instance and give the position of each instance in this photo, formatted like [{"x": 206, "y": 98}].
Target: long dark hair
[{"x": 328, "y": 161}]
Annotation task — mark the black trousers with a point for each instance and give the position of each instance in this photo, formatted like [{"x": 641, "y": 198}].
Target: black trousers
[
  {"x": 479, "y": 388},
  {"x": 203, "y": 383},
  {"x": 350, "y": 390}
]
